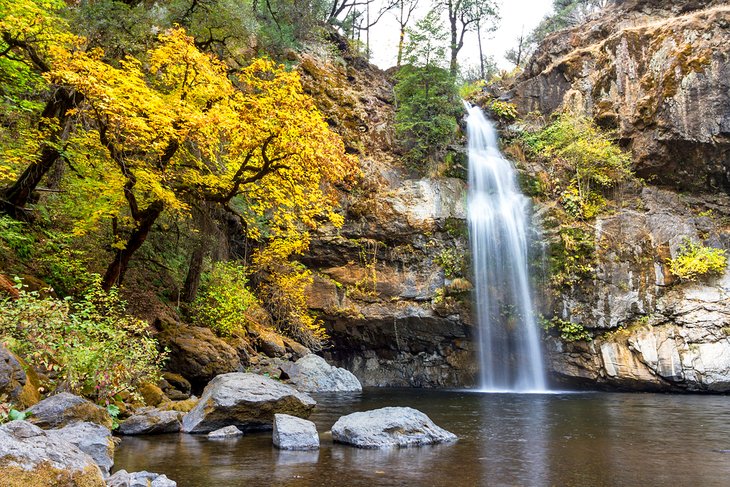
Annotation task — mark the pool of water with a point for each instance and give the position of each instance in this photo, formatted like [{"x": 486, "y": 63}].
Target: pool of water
[{"x": 571, "y": 439}]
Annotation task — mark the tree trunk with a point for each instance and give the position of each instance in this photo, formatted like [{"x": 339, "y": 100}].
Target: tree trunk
[
  {"x": 454, "y": 49},
  {"x": 192, "y": 280},
  {"x": 118, "y": 267},
  {"x": 481, "y": 53},
  {"x": 15, "y": 197}
]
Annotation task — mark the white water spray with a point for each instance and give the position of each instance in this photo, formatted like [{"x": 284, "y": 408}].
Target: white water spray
[{"x": 510, "y": 353}]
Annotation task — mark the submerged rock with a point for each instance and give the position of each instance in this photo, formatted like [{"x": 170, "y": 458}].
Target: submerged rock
[
  {"x": 152, "y": 421},
  {"x": 248, "y": 401},
  {"x": 292, "y": 433},
  {"x": 21, "y": 387},
  {"x": 389, "y": 427},
  {"x": 32, "y": 457},
  {"x": 312, "y": 373},
  {"x": 227, "y": 432},
  {"x": 92, "y": 439},
  {"x": 65, "y": 408},
  {"x": 123, "y": 478}
]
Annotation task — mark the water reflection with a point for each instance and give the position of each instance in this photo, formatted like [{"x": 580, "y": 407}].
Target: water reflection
[{"x": 504, "y": 439}]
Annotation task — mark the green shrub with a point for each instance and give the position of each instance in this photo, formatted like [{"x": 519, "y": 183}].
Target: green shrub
[
  {"x": 695, "y": 260},
  {"x": 567, "y": 330},
  {"x": 14, "y": 237},
  {"x": 88, "y": 346},
  {"x": 592, "y": 158},
  {"x": 225, "y": 302}
]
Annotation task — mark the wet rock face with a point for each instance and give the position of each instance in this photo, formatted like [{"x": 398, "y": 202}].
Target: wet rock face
[
  {"x": 652, "y": 331},
  {"x": 659, "y": 73}
]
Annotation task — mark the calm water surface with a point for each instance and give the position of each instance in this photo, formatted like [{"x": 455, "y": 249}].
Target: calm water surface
[{"x": 580, "y": 439}]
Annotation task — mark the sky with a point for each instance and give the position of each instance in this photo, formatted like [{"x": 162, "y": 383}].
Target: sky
[{"x": 516, "y": 16}]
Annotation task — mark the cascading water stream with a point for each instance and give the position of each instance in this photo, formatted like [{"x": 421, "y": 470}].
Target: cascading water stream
[{"x": 498, "y": 214}]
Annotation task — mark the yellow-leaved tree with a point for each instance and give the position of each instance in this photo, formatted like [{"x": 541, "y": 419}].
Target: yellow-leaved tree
[{"x": 159, "y": 134}]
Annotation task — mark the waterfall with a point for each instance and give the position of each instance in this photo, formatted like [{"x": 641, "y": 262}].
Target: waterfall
[{"x": 499, "y": 230}]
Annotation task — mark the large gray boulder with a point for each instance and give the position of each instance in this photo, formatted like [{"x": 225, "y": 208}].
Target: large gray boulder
[
  {"x": 150, "y": 421},
  {"x": 93, "y": 439},
  {"x": 29, "y": 456},
  {"x": 65, "y": 408},
  {"x": 123, "y": 478},
  {"x": 292, "y": 433},
  {"x": 248, "y": 401},
  {"x": 389, "y": 427},
  {"x": 312, "y": 373}
]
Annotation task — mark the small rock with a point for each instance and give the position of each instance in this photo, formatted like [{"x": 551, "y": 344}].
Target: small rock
[
  {"x": 292, "y": 433},
  {"x": 123, "y": 478},
  {"x": 150, "y": 422},
  {"x": 175, "y": 386},
  {"x": 151, "y": 394},
  {"x": 226, "y": 432},
  {"x": 389, "y": 427},
  {"x": 271, "y": 344},
  {"x": 31, "y": 457},
  {"x": 248, "y": 401},
  {"x": 196, "y": 353},
  {"x": 65, "y": 408},
  {"x": 312, "y": 373},
  {"x": 20, "y": 386},
  {"x": 295, "y": 348},
  {"x": 92, "y": 439}
]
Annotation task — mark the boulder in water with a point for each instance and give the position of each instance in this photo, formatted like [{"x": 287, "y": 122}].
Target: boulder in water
[
  {"x": 150, "y": 421},
  {"x": 31, "y": 457},
  {"x": 227, "y": 432},
  {"x": 389, "y": 427},
  {"x": 292, "y": 433},
  {"x": 123, "y": 478},
  {"x": 248, "y": 401},
  {"x": 312, "y": 373},
  {"x": 93, "y": 439},
  {"x": 62, "y": 409}
]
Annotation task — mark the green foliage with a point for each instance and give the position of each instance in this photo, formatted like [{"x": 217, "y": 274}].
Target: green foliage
[
  {"x": 592, "y": 158},
  {"x": 567, "y": 330},
  {"x": 503, "y": 110},
  {"x": 573, "y": 257},
  {"x": 88, "y": 346},
  {"x": 469, "y": 89},
  {"x": 225, "y": 302},
  {"x": 452, "y": 262},
  {"x": 427, "y": 99},
  {"x": 14, "y": 237},
  {"x": 113, "y": 411},
  {"x": 695, "y": 260}
]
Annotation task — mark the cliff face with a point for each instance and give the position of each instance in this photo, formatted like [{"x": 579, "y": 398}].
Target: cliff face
[
  {"x": 389, "y": 285},
  {"x": 659, "y": 74}
]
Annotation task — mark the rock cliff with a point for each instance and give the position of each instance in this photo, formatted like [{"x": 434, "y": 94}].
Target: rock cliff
[
  {"x": 390, "y": 284},
  {"x": 658, "y": 73}
]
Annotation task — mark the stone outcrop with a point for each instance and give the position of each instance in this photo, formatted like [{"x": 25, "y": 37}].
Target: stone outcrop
[
  {"x": 382, "y": 282},
  {"x": 312, "y": 373},
  {"x": 651, "y": 331},
  {"x": 197, "y": 354},
  {"x": 388, "y": 428},
  {"x": 17, "y": 382},
  {"x": 292, "y": 433},
  {"x": 29, "y": 456},
  {"x": 92, "y": 439},
  {"x": 658, "y": 73},
  {"x": 63, "y": 409},
  {"x": 150, "y": 421},
  {"x": 248, "y": 401}
]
